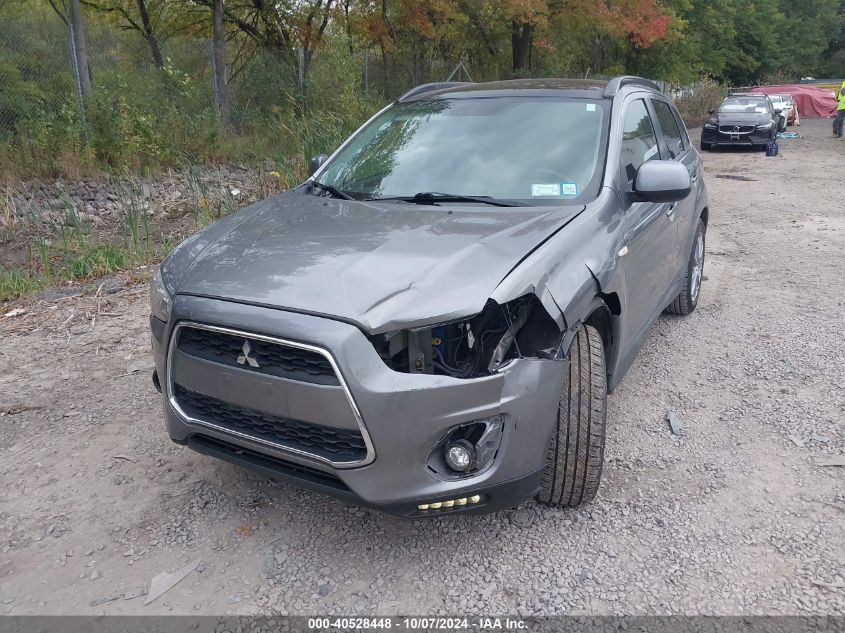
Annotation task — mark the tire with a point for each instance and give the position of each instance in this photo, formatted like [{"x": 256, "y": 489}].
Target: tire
[
  {"x": 705, "y": 146},
  {"x": 686, "y": 301},
  {"x": 576, "y": 451}
]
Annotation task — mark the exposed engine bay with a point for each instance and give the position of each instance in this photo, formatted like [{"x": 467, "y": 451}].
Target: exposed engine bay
[{"x": 474, "y": 347}]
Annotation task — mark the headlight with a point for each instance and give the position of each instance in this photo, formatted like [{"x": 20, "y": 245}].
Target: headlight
[
  {"x": 712, "y": 122},
  {"x": 473, "y": 347},
  {"x": 160, "y": 299},
  {"x": 765, "y": 126}
]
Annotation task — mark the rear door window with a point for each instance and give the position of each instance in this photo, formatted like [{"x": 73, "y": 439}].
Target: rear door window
[{"x": 669, "y": 126}]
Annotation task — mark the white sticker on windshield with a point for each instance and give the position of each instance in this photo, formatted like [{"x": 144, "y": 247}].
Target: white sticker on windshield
[
  {"x": 551, "y": 189},
  {"x": 568, "y": 189},
  {"x": 591, "y": 107}
]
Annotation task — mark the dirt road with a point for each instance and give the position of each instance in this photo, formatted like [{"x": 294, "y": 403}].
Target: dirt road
[{"x": 738, "y": 514}]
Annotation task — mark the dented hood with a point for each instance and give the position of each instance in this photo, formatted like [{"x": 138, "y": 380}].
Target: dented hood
[{"x": 382, "y": 266}]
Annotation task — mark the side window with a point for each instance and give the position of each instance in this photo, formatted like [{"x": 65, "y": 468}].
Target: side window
[
  {"x": 639, "y": 142},
  {"x": 682, "y": 127},
  {"x": 669, "y": 127}
]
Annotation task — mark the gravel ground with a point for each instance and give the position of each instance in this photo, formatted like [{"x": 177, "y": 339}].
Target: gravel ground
[{"x": 737, "y": 515}]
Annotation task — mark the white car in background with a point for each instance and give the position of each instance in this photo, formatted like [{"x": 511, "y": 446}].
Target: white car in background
[{"x": 789, "y": 109}]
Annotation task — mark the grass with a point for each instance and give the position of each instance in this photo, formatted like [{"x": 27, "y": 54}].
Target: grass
[
  {"x": 15, "y": 282},
  {"x": 66, "y": 248}
]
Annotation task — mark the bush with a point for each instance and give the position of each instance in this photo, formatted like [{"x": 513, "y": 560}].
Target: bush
[{"x": 695, "y": 108}]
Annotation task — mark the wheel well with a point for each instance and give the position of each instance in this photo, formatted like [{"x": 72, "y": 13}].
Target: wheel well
[
  {"x": 601, "y": 319},
  {"x": 705, "y": 215}
]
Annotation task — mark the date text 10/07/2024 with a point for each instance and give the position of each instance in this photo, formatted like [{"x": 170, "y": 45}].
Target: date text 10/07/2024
[{"x": 417, "y": 623}]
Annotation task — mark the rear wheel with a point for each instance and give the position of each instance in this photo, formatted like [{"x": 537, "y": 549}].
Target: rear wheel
[
  {"x": 686, "y": 301},
  {"x": 576, "y": 452}
]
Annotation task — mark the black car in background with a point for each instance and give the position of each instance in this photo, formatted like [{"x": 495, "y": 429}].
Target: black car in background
[{"x": 743, "y": 119}]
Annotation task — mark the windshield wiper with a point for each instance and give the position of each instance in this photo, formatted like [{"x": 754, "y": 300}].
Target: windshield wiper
[
  {"x": 337, "y": 193},
  {"x": 429, "y": 197}
]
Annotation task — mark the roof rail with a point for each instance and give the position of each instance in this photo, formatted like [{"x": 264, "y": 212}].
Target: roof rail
[
  {"x": 615, "y": 85},
  {"x": 438, "y": 85}
]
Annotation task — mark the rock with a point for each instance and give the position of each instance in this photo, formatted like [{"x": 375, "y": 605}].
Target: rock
[
  {"x": 675, "y": 423},
  {"x": 524, "y": 517}
]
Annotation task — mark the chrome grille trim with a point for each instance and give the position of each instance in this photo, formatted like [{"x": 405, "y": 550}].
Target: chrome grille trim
[
  {"x": 729, "y": 129},
  {"x": 174, "y": 404}
]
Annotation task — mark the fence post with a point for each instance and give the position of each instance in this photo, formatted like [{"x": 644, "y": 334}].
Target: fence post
[
  {"x": 78, "y": 78},
  {"x": 300, "y": 81},
  {"x": 214, "y": 89},
  {"x": 366, "y": 73}
]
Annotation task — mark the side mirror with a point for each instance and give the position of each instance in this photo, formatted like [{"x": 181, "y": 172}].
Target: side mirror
[
  {"x": 661, "y": 181},
  {"x": 315, "y": 163},
  {"x": 710, "y": 111},
  {"x": 778, "y": 110}
]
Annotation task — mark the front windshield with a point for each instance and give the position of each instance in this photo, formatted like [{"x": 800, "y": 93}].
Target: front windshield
[
  {"x": 531, "y": 149},
  {"x": 744, "y": 105}
]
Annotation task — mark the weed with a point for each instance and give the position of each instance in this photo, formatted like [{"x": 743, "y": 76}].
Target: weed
[
  {"x": 96, "y": 261},
  {"x": 15, "y": 282}
]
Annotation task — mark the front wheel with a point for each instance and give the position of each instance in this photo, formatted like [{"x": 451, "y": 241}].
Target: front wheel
[
  {"x": 576, "y": 452},
  {"x": 686, "y": 301}
]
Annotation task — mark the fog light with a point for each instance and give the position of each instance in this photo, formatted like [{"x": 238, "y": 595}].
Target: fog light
[
  {"x": 460, "y": 455},
  {"x": 449, "y": 504}
]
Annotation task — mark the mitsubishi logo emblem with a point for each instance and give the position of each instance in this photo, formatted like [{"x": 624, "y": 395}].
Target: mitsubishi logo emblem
[{"x": 246, "y": 356}]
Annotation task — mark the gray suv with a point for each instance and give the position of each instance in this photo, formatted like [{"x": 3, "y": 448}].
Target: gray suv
[{"x": 431, "y": 323}]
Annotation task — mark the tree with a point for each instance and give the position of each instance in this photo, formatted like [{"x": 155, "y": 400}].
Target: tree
[
  {"x": 221, "y": 87},
  {"x": 283, "y": 26},
  {"x": 805, "y": 34},
  {"x": 71, "y": 13},
  {"x": 155, "y": 21}
]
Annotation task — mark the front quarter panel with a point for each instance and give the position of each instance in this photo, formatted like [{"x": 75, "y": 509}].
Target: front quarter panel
[{"x": 575, "y": 265}]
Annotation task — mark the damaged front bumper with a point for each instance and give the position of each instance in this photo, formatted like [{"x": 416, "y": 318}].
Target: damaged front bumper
[{"x": 366, "y": 435}]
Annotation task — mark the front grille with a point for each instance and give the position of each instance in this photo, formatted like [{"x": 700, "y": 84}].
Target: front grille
[
  {"x": 335, "y": 445},
  {"x": 740, "y": 129},
  {"x": 272, "y": 358}
]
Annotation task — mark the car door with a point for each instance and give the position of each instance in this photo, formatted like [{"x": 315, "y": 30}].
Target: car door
[
  {"x": 681, "y": 214},
  {"x": 649, "y": 233}
]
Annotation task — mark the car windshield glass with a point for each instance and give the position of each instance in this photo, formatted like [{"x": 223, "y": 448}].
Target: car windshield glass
[
  {"x": 745, "y": 105},
  {"x": 536, "y": 150}
]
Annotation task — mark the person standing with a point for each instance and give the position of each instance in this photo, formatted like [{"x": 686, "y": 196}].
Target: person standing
[{"x": 839, "y": 121}]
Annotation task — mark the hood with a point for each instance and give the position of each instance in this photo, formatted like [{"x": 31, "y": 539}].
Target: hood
[
  {"x": 743, "y": 118},
  {"x": 382, "y": 266}
]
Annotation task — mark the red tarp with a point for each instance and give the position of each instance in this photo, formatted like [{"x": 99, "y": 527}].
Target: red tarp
[{"x": 813, "y": 102}]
